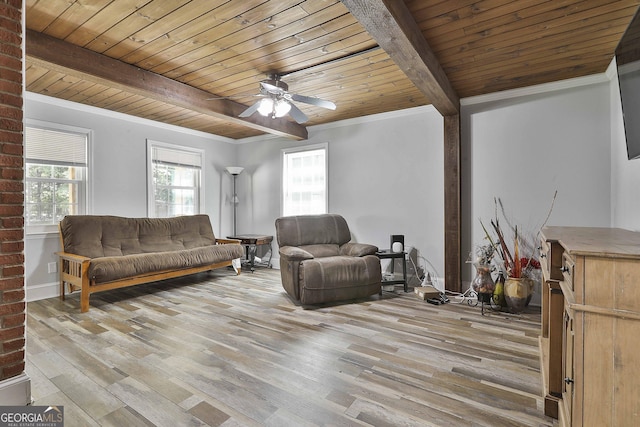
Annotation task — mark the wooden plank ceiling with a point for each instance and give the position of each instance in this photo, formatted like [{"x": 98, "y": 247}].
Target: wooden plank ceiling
[{"x": 102, "y": 53}]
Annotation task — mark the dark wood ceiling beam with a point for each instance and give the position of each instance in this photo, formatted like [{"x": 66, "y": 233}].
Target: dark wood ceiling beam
[
  {"x": 51, "y": 53},
  {"x": 391, "y": 24}
]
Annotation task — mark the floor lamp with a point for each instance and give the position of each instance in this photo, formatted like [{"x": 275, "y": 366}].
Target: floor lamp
[{"x": 234, "y": 171}]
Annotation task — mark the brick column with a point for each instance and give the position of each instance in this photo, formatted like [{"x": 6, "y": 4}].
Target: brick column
[{"x": 15, "y": 386}]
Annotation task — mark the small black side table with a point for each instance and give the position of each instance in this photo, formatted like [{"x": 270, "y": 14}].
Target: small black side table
[
  {"x": 251, "y": 243},
  {"x": 388, "y": 254}
]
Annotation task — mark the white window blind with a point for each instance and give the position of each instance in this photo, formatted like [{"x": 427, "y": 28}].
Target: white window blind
[
  {"x": 56, "y": 170},
  {"x": 47, "y": 146},
  {"x": 176, "y": 157}
]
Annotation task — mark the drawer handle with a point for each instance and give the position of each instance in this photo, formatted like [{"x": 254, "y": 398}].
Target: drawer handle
[
  {"x": 568, "y": 380},
  {"x": 542, "y": 254},
  {"x": 565, "y": 269}
]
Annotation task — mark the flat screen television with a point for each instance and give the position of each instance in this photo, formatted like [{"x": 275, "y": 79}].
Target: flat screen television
[{"x": 628, "y": 64}]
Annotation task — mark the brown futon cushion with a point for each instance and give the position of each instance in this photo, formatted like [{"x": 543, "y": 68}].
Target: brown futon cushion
[
  {"x": 122, "y": 247},
  {"x": 103, "y": 235},
  {"x": 106, "y": 269}
]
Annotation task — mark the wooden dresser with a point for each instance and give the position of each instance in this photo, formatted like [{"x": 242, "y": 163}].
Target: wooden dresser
[{"x": 590, "y": 341}]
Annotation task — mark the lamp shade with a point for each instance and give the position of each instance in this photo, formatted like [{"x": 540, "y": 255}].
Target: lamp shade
[{"x": 234, "y": 170}]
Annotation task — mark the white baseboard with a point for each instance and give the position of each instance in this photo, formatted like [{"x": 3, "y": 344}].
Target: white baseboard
[
  {"x": 42, "y": 291},
  {"x": 16, "y": 391},
  {"x": 275, "y": 263}
]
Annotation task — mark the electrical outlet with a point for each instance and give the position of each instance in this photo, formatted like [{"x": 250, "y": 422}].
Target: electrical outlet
[{"x": 52, "y": 267}]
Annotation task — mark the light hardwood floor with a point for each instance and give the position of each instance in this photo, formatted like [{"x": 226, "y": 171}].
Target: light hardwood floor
[{"x": 223, "y": 350}]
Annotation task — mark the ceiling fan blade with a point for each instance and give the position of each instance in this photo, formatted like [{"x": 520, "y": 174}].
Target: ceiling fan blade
[
  {"x": 314, "y": 101},
  {"x": 249, "y": 111},
  {"x": 271, "y": 88},
  {"x": 297, "y": 115}
]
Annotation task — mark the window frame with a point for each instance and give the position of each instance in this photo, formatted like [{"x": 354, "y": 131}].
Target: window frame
[
  {"x": 84, "y": 185},
  {"x": 283, "y": 162},
  {"x": 151, "y": 144}
]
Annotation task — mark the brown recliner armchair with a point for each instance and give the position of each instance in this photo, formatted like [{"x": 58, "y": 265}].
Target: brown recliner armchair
[{"x": 319, "y": 263}]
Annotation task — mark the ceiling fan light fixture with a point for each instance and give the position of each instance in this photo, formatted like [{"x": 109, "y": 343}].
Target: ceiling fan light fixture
[
  {"x": 282, "y": 107},
  {"x": 276, "y": 102},
  {"x": 270, "y": 107},
  {"x": 266, "y": 106}
]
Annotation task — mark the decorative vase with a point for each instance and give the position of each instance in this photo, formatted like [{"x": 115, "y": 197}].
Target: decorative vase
[
  {"x": 517, "y": 293},
  {"x": 483, "y": 283},
  {"x": 498, "y": 293}
]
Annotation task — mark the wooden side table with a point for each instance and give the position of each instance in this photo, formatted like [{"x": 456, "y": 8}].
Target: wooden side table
[
  {"x": 251, "y": 243},
  {"x": 388, "y": 254}
]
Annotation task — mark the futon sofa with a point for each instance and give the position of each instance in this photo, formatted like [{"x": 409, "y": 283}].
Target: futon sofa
[
  {"x": 108, "y": 252},
  {"x": 320, "y": 264}
]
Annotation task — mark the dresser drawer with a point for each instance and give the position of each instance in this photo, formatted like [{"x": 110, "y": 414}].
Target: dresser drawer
[
  {"x": 568, "y": 271},
  {"x": 551, "y": 259}
]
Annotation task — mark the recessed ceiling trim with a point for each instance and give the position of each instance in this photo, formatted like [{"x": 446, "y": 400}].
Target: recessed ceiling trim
[
  {"x": 63, "y": 103},
  {"x": 372, "y": 118},
  {"x": 536, "y": 89}
]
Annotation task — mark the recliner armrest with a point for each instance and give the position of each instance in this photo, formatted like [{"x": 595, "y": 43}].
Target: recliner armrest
[
  {"x": 292, "y": 253},
  {"x": 358, "y": 249}
]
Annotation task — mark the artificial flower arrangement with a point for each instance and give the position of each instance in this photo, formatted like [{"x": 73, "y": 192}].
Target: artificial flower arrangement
[
  {"x": 518, "y": 265},
  {"x": 513, "y": 257},
  {"x": 484, "y": 255}
]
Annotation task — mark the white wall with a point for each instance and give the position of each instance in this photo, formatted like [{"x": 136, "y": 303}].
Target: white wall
[
  {"x": 385, "y": 177},
  {"x": 625, "y": 174},
  {"x": 118, "y": 179},
  {"x": 386, "y": 171},
  {"x": 524, "y": 149}
]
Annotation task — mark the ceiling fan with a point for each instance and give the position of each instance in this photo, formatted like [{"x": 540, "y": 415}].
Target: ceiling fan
[{"x": 278, "y": 102}]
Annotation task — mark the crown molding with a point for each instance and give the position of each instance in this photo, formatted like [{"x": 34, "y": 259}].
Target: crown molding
[
  {"x": 473, "y": 100},
  {"x": 539, "y": 89},
  {"x": 350, "y": 122},
  {"x": 607, "y": 76},
  {"x": 31, "y": 96}
]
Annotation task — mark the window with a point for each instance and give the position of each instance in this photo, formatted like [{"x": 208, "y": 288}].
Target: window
[
  {"x": 55, "y": 175},
  {"x": 175, "y": 180},
  {"x": 304, "y": 180}
]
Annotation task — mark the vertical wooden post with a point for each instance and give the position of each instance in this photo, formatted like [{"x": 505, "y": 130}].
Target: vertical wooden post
[{"x": 452, "y": 215}]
